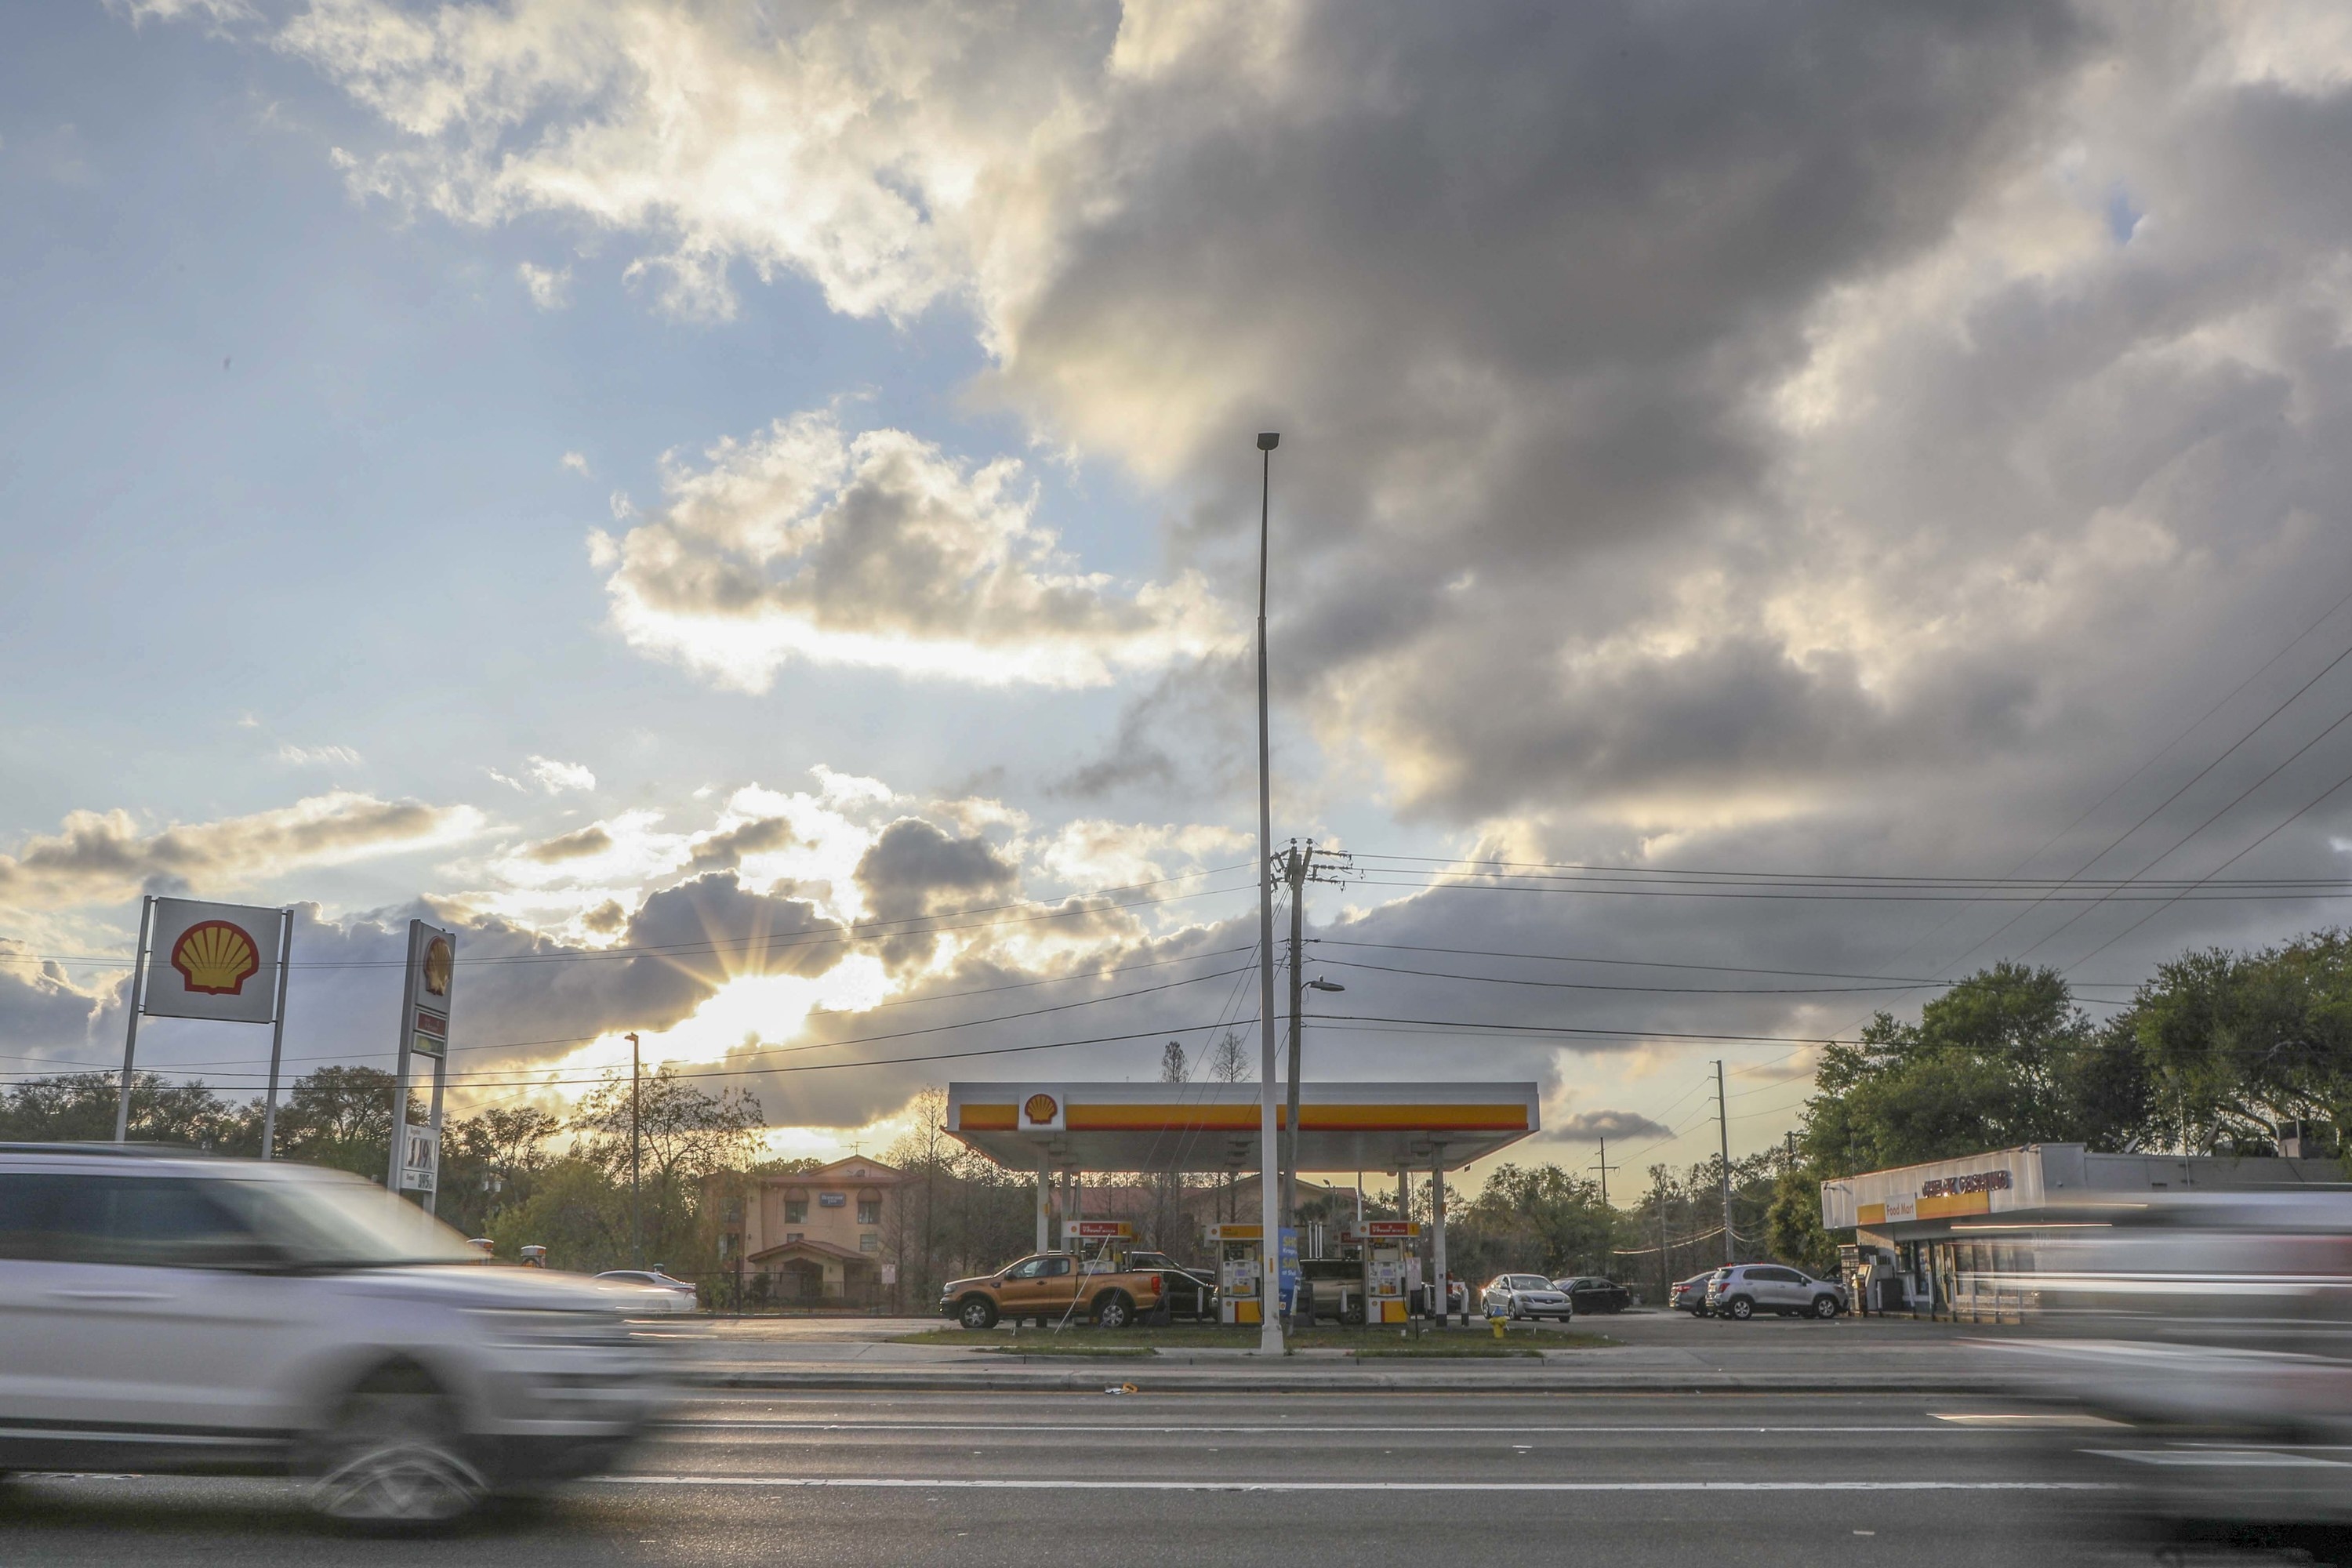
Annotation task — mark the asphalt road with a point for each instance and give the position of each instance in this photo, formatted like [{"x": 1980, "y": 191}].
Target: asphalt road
[{"x": 1015, "y": 1481}]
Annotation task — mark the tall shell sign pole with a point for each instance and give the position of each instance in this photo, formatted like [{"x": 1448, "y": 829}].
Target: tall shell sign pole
[
  {"x": 426, "y": 985},
  {"x": 225, "y": 962}
]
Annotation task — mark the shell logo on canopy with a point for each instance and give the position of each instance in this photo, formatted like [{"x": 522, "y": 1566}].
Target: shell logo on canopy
[
  {"x": 1041, "y": 1111},
  {"x": 217, "y": 957}
]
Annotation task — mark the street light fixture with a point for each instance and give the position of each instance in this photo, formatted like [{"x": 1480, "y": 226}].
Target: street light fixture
[
  {"x": 1269, "y": 1191},
  {"x": 1325, "y": 986}
]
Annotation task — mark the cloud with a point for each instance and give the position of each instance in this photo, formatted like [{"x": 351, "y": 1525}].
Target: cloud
[
  {"x": 1590, "y": 1126},
  {"x": 590, "y": 840},
  {"x": 879, "y": 550},
  {"x": 550, "y": 287},
  {"x": 914, "y": 868},
  {"x": 725, "y": 851},
  {"x": 104, "y": 857},
  {"x": 318, "y": 756},
  {"x": 551, "y": 776},
  {"x": 577, "y": 462}
]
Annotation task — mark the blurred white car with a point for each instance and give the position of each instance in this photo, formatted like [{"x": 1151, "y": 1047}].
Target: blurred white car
[
  {"x": 651, "y": 1290},
  {"x": 168, "y": 1313}
]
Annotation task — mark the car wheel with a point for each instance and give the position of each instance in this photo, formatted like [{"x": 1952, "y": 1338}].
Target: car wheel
[
  {"x": 1354, "y": 1316},
  {"x": 977, "y": 1312},
  {"x": 1825, "y": 1307},
  {"x": 1740, "y": 1307},
  {"x": 1115, "y": 1312},
  {"x": 392, "y": 1456}
]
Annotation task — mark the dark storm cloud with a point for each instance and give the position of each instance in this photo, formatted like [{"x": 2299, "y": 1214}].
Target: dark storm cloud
[
  {"x": 914, "y": 868},
  {"x": 1590, "y": 1126}
]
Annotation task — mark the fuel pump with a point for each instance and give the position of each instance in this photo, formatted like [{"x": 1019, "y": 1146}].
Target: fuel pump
[
  {"x": 1101, "y": 1244},
  {"x": 1240, "y": 1252},
  {"x": 1391, "y": 1252}
]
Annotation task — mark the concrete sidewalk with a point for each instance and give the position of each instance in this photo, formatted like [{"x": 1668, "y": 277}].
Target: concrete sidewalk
[{"x": 1659, "y": 1355}]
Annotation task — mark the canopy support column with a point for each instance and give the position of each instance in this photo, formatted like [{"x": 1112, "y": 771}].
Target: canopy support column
[
  {"x": 1442, "y": 1299},
  {"x": 1044, "y": 1199}
]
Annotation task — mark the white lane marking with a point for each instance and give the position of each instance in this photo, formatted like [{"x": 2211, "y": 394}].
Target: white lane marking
[
  {"x": 1056, "y": 1428},
  {"x": 2027, "y": 1419},
  {"x": 903, "y": 1483}
]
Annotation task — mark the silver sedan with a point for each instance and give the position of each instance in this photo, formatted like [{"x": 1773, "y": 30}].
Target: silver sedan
[{"x": 1527, "y": 1296}]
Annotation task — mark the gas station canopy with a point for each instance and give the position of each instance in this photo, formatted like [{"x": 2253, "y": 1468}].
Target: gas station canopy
[{"x": 1214, "y": 1126}]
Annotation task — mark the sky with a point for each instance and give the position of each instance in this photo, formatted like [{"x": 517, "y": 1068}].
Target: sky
[{"x": 748, "y": 513}]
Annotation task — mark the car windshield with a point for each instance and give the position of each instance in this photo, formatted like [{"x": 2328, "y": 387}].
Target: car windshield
[{"x": 348, "y": 1223}]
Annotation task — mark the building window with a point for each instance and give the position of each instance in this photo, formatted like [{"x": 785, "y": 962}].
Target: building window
[
  {"x": 796, "y": 1211},
  {"x": 734, "y": 1211},
  {"x": 869, "y": 1211},
  {"x": 792, "y": 1237},
  {"x": 869, "y": 1242}
]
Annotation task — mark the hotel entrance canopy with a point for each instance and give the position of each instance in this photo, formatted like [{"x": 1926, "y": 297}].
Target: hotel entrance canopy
[{"x": 1213, "y": 1127}]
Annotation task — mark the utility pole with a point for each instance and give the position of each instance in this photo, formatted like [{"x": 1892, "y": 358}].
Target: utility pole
[
  {"x": 1665, "y": 1264},
  {"x": 1269, "y": 1192},
  {"x": 1604, "y": 1167},
  {"x": 636, "y": 1105},
  {"x": 1723, "y": 1127}
]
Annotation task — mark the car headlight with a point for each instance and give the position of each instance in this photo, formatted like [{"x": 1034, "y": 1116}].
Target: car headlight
[{"x": 543, "y": 1326}]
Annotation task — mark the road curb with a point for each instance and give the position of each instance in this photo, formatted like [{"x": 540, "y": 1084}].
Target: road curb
[{"x": 1274, "y": 1380}]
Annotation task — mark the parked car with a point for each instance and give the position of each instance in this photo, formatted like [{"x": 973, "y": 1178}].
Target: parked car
[
  {"x": 1050, "y": 1286},
  {"x": 178, "y": 1312},
  {"x": 1525, "y": 1296},
  {"x": 1591, "y": 1293},
  {"x": 655, "y": 1290},
  {"x": 1745, "y": 1289},
  {"x": 1690, "y": 1295},
  {"x": 1186, "y": 1292}
]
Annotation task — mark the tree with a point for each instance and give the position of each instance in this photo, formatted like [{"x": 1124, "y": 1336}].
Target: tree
[
  {"x": 80, "y": 1106},
  {"x": 2002, "y": 1058},
  {"x": 1792, "y": 1224},
  {"x": 685, "y": 1134},
  {"x": 2237, "y": 1043},
  {"x": 1171, "y": 1063},
  {"x": 491, "y": 1162},
  {"x": 1228, "y": 1062},
  {"x": 341, "y": 1116}
]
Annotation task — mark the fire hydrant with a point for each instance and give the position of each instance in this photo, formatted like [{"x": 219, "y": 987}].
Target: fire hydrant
[{"x": 1497, "y": 1325}]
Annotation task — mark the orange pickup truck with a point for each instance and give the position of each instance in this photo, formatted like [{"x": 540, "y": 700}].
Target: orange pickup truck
[{"x": 1050, "y": 1286}]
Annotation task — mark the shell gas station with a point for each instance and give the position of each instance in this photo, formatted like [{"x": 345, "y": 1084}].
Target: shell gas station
[{"x": 1067, "y": 1132}]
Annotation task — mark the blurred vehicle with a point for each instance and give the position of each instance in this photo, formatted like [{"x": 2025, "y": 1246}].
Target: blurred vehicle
[
  {"x": 535, "y": 1256},
  {"x": 1690, "y": 1295},
  {"x": 1741, "y": 1291},
  {"x": 1525, "y": 1296},
  {"x": 1592, "y": 1293},
  {"x": 1185, "y": 1292},
  {"x": 1335, "y": 1286},
  {"x": 485, "y": 1247},
  {"x": 656, "y": 1291},
  {"x": 170, "y": 1312},
  {"x": 2203, "y": 1342}
]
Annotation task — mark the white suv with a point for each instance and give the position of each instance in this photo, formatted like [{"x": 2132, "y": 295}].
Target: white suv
[
  {"x": 1746, "y": 1288},
  {"x": 161, "y": 1311}
]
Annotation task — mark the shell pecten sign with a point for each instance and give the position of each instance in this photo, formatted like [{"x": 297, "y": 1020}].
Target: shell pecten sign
[
  {"x": 217, "y": 961},
  {"x": 217, "y": 957}
]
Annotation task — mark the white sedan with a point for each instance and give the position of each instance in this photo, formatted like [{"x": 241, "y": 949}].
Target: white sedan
[
  {"x": 1527, "y": 1296},
  {"x": 653, "y": 1291}
]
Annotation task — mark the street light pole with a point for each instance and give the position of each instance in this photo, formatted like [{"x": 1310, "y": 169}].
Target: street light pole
[
  {"x": 1269, "y": 1188},
  {"x": 637, "y": 1104}
]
